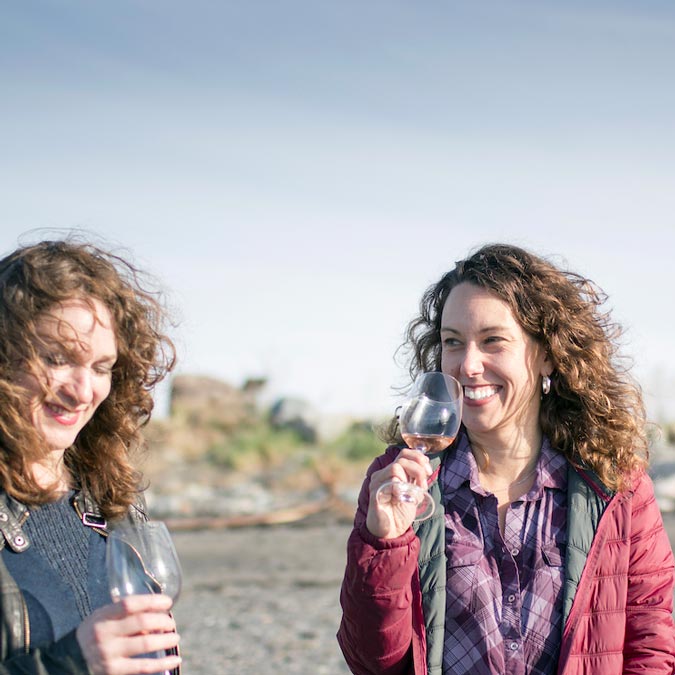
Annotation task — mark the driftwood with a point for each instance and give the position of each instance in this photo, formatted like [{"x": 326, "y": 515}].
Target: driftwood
[
  {"x": 294, "y": 514},
  {"x": 332, "y": 506}
]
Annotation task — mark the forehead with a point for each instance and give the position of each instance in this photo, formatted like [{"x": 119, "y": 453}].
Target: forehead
[
  {"x": 77, "y": 319},
  {"x": 469, "y": 304}
]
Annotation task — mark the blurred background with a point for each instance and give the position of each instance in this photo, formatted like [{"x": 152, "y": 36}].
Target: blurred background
[{"x": 295, "y": 174}]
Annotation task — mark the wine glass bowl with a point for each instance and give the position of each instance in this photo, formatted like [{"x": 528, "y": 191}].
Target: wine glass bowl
[
  {"x": 141, "y": 559},
  {"x": 427, "y": 425},
  {"x": 429, "y": 421}
]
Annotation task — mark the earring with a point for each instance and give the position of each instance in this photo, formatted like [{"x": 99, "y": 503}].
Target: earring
[{"x": 545, "y": 384}]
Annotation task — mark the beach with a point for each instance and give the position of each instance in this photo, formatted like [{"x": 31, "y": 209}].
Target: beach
[
  {"x": 263, "y": 599},
  {"x": 266, "y": 599}
]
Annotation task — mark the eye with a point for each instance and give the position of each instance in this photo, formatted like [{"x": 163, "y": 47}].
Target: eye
[
  {"x": 54, "y": 359},
  {"x": 451, "y": 342},
  {"x": 104, "y": 366}
]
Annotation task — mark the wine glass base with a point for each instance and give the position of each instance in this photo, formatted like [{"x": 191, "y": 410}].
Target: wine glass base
[{"x": 408, "y": 494}]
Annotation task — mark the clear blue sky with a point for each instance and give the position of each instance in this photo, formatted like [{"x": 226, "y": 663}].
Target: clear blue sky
[{"x": 297, "y": 173}]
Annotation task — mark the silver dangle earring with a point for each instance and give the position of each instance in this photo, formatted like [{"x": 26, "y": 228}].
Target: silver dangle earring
[{"x": 545, "y": 384}]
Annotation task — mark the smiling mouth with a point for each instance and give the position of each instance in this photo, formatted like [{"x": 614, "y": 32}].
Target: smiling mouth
[
  {"x": 480, "y": 393},
  {"x": 62, "y": 414}
]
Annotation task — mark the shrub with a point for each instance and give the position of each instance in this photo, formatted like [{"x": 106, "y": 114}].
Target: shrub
[
  {"x": 358, "y": 443},
  {"x": 255, "y": 446}
]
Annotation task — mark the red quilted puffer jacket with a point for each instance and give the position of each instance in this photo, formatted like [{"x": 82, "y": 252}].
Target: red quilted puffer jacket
[
  {"x": 621, "y": 621},
  {"x": 619, "y": 613}
]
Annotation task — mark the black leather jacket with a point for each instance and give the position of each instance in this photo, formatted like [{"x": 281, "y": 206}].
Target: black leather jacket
[{"x": 64, "y": 656}]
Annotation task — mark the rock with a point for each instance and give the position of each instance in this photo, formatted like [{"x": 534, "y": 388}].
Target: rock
[
  {"x": 295, "y": 414},
  {"x": 205, "y": 401}
]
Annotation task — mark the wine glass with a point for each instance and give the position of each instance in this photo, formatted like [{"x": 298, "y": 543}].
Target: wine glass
[
  {"x": 429, "y": 421},
  {"x": 141, "y": 559}
]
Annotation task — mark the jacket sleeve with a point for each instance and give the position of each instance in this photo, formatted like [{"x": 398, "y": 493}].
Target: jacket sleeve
[
  {"x": 63, "y": 657},
  {"x": 650, "y": 635},
  {"x": 377, "y": 595}
]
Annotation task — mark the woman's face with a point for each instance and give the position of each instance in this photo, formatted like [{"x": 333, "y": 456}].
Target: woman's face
[
  {"x": 78, "y": 351},
  {"x": 497, "y": 363}
]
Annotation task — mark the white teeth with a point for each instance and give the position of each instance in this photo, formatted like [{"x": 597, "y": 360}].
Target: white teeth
[
  {"x": 58, "y": 410},
  {"x": 479, "y": 393}
]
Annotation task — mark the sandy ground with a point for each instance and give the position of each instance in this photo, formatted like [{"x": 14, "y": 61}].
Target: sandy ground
[
  {"x": 265, "y": 600},
  {"x": 261, "y": 600}
]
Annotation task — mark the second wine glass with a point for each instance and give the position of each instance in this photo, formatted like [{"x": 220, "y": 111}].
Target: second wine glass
[
  {"x": 429, "y": 421},
  {"x": 142, "y": 559}
]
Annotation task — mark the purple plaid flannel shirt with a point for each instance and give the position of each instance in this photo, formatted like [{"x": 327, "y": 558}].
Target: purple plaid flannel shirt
[{"x": 504, "y": 594}]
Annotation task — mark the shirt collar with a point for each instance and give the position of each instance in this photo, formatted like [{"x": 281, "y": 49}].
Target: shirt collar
[
  {"x": 551, "y": 468},
  {"x": 459, "y": 465}
]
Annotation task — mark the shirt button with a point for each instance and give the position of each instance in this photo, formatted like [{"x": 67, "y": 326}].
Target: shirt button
[
  {"x": 511, "y": 598},
  {"x": 513, "y": 646},
  {"x": 515, "y": 552}
]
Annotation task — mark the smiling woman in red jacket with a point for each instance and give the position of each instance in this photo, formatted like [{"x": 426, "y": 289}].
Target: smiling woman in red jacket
[{"x": 546, "y": 553}]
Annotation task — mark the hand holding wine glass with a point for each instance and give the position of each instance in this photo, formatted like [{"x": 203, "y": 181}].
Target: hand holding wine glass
[
  {"x": 429, "y": 422},
  {"x": 141, "y": 559}
]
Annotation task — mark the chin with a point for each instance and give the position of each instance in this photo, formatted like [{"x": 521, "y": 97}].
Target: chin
[{"x": 58, "y": 442}]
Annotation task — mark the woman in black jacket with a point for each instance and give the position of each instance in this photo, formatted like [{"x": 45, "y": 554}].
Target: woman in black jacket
[{"x": 81, "y": 348}]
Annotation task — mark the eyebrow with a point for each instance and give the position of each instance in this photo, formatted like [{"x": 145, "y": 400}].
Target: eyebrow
[
  {"x": 50, "y": 343},
  {"x": 487, "y": 329}
]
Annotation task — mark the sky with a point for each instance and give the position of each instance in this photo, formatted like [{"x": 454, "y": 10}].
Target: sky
[{"x": 297, "y": 173}]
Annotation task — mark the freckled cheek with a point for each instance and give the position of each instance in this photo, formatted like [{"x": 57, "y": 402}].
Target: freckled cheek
[{"x": 449, "y": 364}]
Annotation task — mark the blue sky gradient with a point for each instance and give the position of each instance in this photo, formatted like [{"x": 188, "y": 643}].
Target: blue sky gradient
[{"x": 298, "y": 173}]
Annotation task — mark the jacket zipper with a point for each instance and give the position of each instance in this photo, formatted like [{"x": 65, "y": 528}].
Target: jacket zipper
[
  {"x": 24, "y": 606},
  {"x": 26, "y": 626}
]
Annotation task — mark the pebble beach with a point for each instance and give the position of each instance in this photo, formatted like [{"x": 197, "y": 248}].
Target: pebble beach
[
  {"x": 266, "y": 599},
  {"x": 261, "y": 599}
]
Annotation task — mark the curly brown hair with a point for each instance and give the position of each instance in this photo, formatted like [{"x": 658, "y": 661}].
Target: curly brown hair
[
  {"x": 33, "y": 279},
  {"x": 594, "y": 413}
]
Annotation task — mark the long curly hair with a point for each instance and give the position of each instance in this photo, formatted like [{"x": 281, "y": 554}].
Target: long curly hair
[
  {"x": 33, "y": 279},
  {"x": 594, "y": 412}
]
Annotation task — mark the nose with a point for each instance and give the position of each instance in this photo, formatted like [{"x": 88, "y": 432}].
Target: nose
[
  {"x": 79, "y": 385},
  {"x": 472, "y": 361}
]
